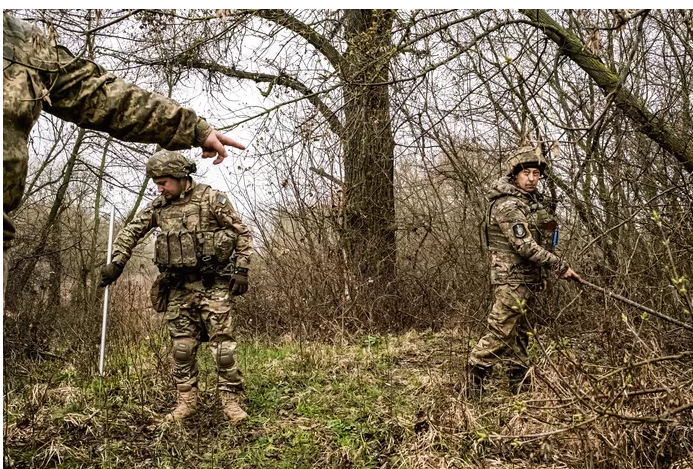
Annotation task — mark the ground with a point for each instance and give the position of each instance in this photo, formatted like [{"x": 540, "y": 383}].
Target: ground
[{"x": 373, "y": 402}]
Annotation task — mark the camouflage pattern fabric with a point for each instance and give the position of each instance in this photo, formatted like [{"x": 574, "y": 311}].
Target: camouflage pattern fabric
[
  {"x": 522, "y": 156},
  {"x": 520, "y": 250},
  {"x": 169, "y": 163},
  {"x": 194, "y": 312},
  {"x": 180, "y": 214},
  {"x": 40, "y": 75},
  {"x": 515, "y": 222},
  {"x": 197, "y": 312},
  {"x": 507, "y": 338}
]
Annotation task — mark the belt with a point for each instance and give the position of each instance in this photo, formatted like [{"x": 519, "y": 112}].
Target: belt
[{"x": 178, "y": 276}]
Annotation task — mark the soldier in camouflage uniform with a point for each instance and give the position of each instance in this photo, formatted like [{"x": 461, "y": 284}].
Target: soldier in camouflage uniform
[
  {"x": 40, "y": 75},
  {"x": 521, "y": 235},
  {"x": 203, "y": 253}
]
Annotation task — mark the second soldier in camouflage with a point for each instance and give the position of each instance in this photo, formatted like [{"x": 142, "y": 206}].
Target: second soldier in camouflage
[
  {"x": 203, "y": 253},
  {"x": 521, "y": 235}
]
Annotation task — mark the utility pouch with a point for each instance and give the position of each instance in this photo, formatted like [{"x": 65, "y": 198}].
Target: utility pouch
[
  {"x": 549, "y": 226},
  {"x": 207, "y": 243},
  {"x": 224, "y": 245},
  {"x": 161, "y": 250},
  {"x": 176, "y": 249},
  {"x": 159, "y": 292},
  {"x": 550, "y": 231},
  {"x": 175, "y": 253},
  {"x": 188, "y": 248}
]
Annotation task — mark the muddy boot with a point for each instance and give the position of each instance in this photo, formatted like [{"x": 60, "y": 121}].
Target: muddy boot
[
  {"x": 518, "y": 379},
  {"x": 475, "y": 382},
  {"x": 232, "y": 410},
  {"x": 187, "y": 403}
]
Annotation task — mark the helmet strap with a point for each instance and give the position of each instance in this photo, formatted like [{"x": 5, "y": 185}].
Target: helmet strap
[{"x": 185, "y": 184}]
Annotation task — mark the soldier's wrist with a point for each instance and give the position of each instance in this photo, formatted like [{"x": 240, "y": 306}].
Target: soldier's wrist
[
  {"x": 561, "y": 268},
  {"x": 202, "y": 131}
]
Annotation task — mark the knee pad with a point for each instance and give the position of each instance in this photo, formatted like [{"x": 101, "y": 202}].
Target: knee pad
[
  {"x": 225, "y": 354},
  {"x": 183, "y": 349}
]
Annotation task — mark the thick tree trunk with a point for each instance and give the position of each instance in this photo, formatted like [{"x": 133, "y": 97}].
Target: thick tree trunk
[
  {"x": 366, "y": 133},
  {"x": 369, "y": 146}
]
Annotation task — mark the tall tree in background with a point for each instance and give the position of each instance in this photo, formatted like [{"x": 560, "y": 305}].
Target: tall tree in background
[{"x": 361, "y": 120}]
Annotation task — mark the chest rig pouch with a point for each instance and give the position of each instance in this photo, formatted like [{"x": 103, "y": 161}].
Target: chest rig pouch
[
  {"x": 542, "y": 226},
  {"x": 186, "y": 241}
]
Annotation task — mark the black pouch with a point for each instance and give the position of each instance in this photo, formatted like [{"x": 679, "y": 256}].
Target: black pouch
[
  {"x": 208, "y": 277},
  {"x": 159, "y": 293}
]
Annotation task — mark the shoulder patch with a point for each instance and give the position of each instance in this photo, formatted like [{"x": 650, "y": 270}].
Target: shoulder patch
[
  {"x": 519, "y": 230},
  {"x": 222, "y": 199}
]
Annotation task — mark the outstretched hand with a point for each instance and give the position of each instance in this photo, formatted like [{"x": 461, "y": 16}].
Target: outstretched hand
[{"x": 214, "y": 146}]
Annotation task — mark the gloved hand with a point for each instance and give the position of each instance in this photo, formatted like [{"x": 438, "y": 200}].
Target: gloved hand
[
  {"x": 110, "y": 273},
  {"x": 239, "y": 281}
]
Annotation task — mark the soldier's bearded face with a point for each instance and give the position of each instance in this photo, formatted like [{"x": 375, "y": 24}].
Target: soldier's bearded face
[
  {"x": 528, "y": 179},
  {"x": 170, "y": 188}
]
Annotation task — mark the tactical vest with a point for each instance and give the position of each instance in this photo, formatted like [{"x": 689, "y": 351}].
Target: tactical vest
[
  {"x": 186, "y": 241},
  {"x": 542, "y": 226}
]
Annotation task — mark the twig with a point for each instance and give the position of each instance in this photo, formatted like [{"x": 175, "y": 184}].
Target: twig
[
  {"x": 117, "y": 20},
  {"x": 637, "y": 305},
  {"x": 326, "y": 175}
]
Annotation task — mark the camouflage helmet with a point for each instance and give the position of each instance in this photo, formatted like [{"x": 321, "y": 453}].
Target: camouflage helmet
[
  {"x": 525, "y": 157},
  {"x": 169, "y": 163}
]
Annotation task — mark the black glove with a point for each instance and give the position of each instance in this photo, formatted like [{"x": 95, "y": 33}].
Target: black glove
[
  {"x": 110, "y": 273},
  {"x": 239, "y": 281}
]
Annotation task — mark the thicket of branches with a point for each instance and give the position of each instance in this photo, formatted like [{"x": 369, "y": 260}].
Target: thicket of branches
[{"x": 373, "y": 137}]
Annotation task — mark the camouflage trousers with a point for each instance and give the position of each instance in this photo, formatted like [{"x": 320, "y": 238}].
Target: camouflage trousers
[
  {"x": 507, "y": 338},
  {"x": 197, "y": 314}
]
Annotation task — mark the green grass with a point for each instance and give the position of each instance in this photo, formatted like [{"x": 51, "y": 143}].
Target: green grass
[{"x": 379, "y": 402}]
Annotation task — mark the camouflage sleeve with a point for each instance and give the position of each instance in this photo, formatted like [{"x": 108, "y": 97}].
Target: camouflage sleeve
[
  {"x": 130, "y": 235},
  {"x": 84, "y": 93},
  {"x": 511, "y": 215},
  {"x": 227, "y": 217}
]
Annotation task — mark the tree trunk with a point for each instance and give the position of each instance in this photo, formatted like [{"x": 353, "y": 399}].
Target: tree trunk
[{"x": 369, "y": 146}]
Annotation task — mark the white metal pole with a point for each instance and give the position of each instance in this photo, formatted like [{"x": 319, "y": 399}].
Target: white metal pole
[{"x": 105, "y": 293}]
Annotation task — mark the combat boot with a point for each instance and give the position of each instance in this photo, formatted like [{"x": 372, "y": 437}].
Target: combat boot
[
  {"x": 231, "y": 407},
  {"x": 518, "y": 379},
  {"x": 475, "y": 382},
  {"x": 187, "y": 404}
]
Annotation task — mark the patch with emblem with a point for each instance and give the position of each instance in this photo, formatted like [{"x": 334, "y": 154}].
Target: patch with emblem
[
  {"x": 519, "y": 230},
  {"x": 222, "y": 199}
]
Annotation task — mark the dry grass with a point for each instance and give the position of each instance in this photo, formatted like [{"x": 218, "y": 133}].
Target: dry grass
[{"x": 381, "y": 402}]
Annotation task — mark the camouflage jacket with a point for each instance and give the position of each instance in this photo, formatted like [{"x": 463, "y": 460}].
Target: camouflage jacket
[
  {"x": 519, "y": 235},
  {"x": 40, "y": 75},
  {"x": 181, "y": 215}
]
